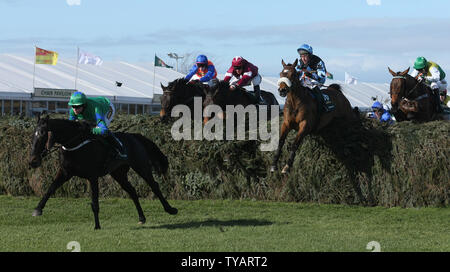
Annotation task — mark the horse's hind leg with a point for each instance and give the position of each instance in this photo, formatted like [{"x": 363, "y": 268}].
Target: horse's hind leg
[
  {"x": 120, "y": 175},
  {"x": 94, "y": 204},
  {"x": 146, "y": 174},
  {"x": 59, "y": 180}
]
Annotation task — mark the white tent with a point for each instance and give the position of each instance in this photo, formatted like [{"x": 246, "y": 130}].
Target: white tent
[{"x": 140, "y": 82}]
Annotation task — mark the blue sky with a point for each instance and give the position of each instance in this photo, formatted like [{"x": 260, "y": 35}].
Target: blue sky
[{"x": 361, "y": 37}]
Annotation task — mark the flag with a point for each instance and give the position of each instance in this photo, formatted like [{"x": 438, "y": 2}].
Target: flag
[
  {"x": 45, "y": 57},
  {"x": 329, "y": 75},
  {"x": 349, "y": 79},
  {"x": 161, "y": 63},
  {"x": 87, "y": 58}
]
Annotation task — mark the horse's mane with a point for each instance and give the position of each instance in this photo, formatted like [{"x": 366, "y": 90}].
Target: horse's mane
[
  {"x": 224, "y": 86},
  {"x": 181, "y": 84},
  {"x": 69, "y": 125}
]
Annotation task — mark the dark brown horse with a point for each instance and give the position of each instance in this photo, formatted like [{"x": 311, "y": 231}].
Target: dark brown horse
[
  {"x": 411, "y": 99},
  {"x": 301, "y": 111},
  {"x": 179, "y": 92},
  {"x": 222, "y": 96}
]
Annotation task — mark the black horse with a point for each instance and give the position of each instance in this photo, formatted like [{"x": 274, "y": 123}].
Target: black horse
[
  {"x": 180, "y": 92},
  {"x": 87, "y": 156}
]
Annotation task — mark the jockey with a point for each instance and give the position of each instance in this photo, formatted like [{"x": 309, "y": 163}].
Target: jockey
[
  {"x": 311, "y": 67},
  {"x": 244, "y": 73},
  {"x": 433, "y": 75},
  {"x": 312, "y": 70},
  {"x": 99, "y": 110},
  {"x": 203, "y": 70},
  {"x": 381, "y": 114}
]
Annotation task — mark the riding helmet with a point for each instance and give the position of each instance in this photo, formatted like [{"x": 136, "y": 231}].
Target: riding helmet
[
  {"x": 77, "y": 99},
  {"x": 238, "y": 61},
  {"x": 202, "y": 59},
  {"x": 377, "y": 105},
  {"x": 305, "y": 49},
  {"x": 420, "y": 63}
]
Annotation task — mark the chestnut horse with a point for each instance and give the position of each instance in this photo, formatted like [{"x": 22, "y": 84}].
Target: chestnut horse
[
  {"x": 302, "y": 113},
  {"x": 410, "y": 98}
]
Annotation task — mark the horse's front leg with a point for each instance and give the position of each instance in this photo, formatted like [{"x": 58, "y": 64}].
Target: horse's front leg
[
  {"x": 283, "y": 134},
  {"x": 94, "y": 204},
  {"x": 61, "y": 177},
  {"x": 302, "y": 132}
]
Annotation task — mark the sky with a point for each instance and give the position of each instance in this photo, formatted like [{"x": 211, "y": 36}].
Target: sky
[{"x": 360, "y": 37}]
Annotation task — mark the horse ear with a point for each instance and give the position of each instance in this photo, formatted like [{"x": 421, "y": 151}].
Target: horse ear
[
  {"x": 283, "y": 63},
  {"x": 392, "y": 72},
  {"x": 405, "y": 72},
  {"x": 295, "y": 63},
  {"x": 162, "y": 86}
]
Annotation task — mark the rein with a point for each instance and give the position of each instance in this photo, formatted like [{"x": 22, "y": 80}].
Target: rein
[
  {"x": 48, "y": 151},
  {"x": 412, "y": 90}
]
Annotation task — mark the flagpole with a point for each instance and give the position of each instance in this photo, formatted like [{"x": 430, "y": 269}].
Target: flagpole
[
  {"x": 34, "y": 66},
  {"x": 153, "y": 91},
  {"x": 76, "y": 71}
]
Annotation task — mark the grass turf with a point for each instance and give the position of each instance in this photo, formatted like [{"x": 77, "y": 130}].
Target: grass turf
[{"x": 219, "y": 225}]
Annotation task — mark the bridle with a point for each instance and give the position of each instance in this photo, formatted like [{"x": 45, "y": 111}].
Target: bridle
[
  {"x": 288, "y": 82},
  {"x": 411, "y": 90},
  {"x": 50, "y": 148}
]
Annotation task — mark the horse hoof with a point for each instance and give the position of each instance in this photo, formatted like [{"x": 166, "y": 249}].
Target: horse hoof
[
  {"x": 273, "y": 169},
  {"x": 285, "y": 169},
  {"x": 141, "y": 221},
  {"x": 172, "y": 210},
  {"x": 37, "y": 212}
]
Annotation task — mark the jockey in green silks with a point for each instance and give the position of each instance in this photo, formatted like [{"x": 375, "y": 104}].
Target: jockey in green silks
[{"x": 100, "y": 111}]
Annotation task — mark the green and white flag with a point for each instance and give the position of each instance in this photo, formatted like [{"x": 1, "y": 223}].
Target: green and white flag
[{"x": 161, "y": 63}]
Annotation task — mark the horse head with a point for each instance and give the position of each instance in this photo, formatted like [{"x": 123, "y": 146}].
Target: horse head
[
  {"x": 287, "y": 76},
  {"x": 179, "y": 91},
  {"x": 167, "y": 100},
  {"x": 41, "y": 143},
  {"x": 398, "y": 87}
]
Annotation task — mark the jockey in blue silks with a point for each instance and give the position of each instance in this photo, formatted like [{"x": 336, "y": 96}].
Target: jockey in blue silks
[
  {"x": 312, "y": 72},
  {"x": 381, "y": 114},
  {"x": 203, "y": 70}
]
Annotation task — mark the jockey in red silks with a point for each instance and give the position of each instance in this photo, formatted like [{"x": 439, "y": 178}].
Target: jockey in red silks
[{"x": 244, "y": 73}]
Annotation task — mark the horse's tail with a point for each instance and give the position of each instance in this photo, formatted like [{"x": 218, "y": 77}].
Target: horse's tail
[
  {"x": 336, "y": 87},
  {"x": 269, "y": 97},
  {"x": 157, "y": 158}
]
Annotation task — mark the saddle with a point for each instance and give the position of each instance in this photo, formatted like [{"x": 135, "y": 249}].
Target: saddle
[{"x": 324, "y": 103}]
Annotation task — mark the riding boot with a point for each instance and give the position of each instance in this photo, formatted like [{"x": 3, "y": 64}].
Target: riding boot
[
  {"x": 119, "y": 150},
  {"x": 258, "y": 96},
  {"x": 320, "y": 100}
]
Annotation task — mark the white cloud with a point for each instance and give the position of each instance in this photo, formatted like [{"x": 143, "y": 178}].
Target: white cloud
[
  {"x": 73, "y": 2},
  {"x": 373, "y": 2}
]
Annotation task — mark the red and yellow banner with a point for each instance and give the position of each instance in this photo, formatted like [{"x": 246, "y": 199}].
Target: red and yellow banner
[{"x": 46, "y": 57}]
